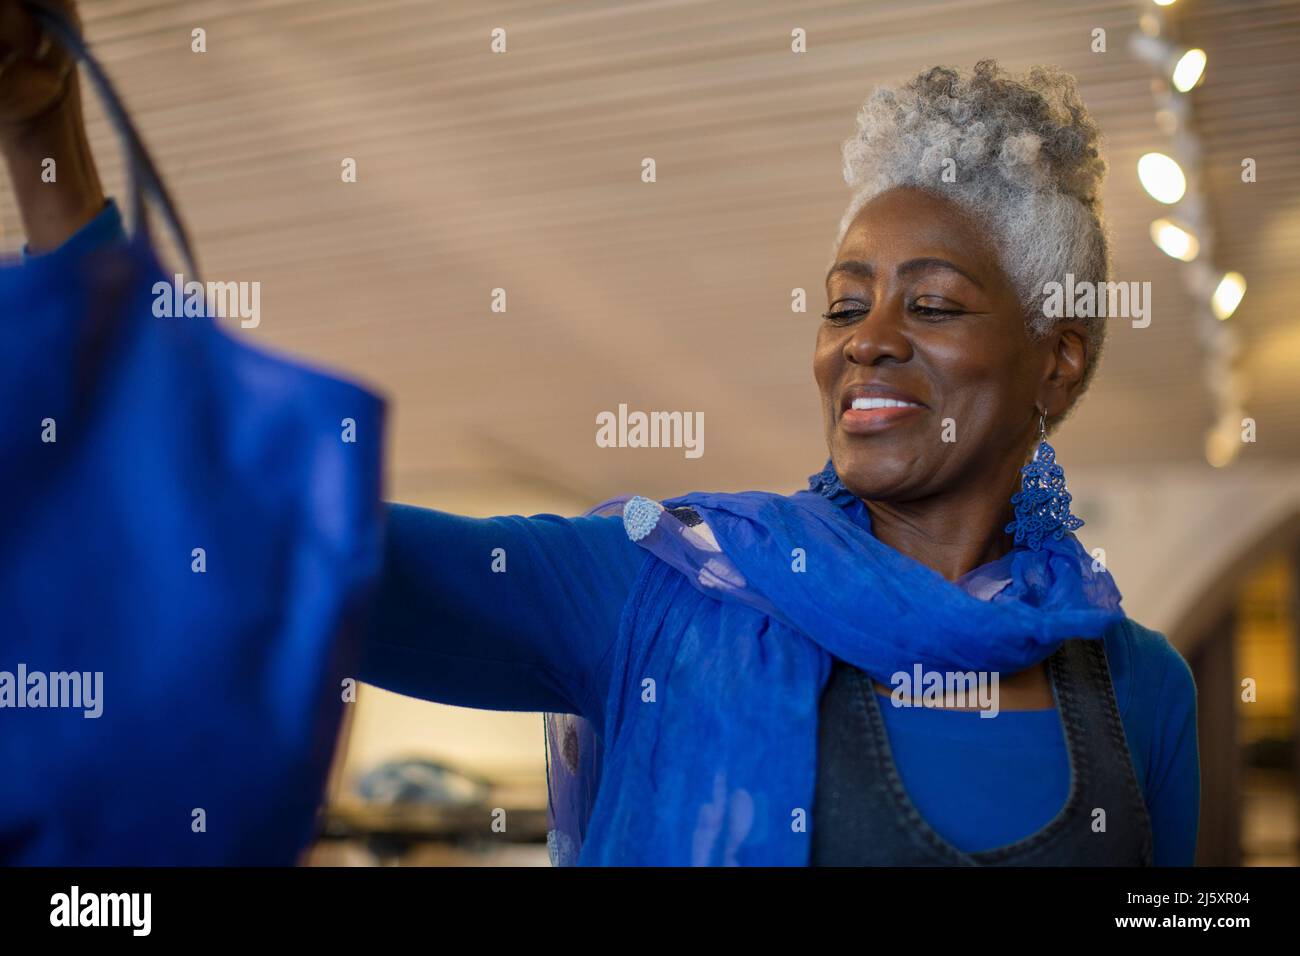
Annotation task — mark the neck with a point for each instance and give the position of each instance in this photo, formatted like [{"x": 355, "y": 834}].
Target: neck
[{"x": 952, "y": 534}]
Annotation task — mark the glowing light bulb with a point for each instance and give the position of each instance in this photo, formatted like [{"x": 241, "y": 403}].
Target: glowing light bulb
[
  {"x": 1188, "y": 70},
  {"x": 1221, "y": 446},
  {"x": 1162, "y": 178},
  {"x": 1174, "y": 240},
  {"x": 1227, "y": 296}
]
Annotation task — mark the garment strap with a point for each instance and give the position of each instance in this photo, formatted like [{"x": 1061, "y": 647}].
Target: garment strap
[{"x": 864, "y": 816}]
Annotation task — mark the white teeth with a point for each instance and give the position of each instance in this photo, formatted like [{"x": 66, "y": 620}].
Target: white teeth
[{"x": 868, "y": 403}]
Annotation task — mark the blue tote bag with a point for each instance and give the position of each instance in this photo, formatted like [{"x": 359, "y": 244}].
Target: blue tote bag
[{"x": 191, "y": 534}]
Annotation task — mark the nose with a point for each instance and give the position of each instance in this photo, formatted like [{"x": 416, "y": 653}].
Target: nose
[{"x": 880, "y": 336}]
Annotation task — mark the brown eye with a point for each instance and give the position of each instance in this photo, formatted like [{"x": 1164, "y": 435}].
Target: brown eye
[
  {"x": 931, "y": 312},
  {"x": 845, "y": 314}
]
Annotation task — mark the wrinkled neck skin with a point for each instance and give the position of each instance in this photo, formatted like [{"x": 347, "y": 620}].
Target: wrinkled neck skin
[{"x": 953, "y": 532}]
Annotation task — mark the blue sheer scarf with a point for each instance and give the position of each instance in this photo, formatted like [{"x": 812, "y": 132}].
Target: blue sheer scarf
[{"x": 708, "y": 753}]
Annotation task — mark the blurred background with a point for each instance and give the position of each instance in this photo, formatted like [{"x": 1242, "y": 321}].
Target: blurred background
[{"x": 478, "y": 170}]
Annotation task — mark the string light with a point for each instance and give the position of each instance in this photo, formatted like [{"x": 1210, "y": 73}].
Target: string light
[
  {"x": 1221, "y": 446},
  {"x": 1173, "y": 240},
  {"x": 1228, "y": 295},
  {"x": 1188, "y": 70},
  {"x": 1175, "y": 180},
  {"x": 1162, "y": 178}
]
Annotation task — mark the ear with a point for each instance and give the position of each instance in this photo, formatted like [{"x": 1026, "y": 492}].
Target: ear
[{"x": 1066, "y": 359}]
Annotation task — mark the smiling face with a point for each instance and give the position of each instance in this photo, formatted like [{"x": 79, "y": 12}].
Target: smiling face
[{"x": 928, "y": 375}]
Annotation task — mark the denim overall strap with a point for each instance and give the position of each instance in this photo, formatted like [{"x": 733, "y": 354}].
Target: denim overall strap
[{"x": 863, "y": 816}]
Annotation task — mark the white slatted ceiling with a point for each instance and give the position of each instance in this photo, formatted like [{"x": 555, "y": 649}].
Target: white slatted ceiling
[{"x": 522, "y": 171}]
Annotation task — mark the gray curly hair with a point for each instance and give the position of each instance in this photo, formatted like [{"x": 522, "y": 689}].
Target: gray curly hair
[{"x": 1027, "y": 162}]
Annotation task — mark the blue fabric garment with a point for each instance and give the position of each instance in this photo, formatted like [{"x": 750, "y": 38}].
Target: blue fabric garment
[
  {"x": 189, "y": 535},
  {"x": 878, "y": 609},
  {"x": 541, "y": 638},
  {"x": 1014, "y": 770},
  {"x": 728, "y": 642}
]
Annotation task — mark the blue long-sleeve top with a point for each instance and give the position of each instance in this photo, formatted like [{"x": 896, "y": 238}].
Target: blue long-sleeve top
[{"x": 539, "y": 637}]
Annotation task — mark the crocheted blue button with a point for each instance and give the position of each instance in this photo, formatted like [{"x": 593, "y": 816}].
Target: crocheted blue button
[{"x": 640, "y": 515}]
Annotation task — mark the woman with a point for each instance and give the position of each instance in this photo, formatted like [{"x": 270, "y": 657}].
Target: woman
[{"x": 741, "y": 662}]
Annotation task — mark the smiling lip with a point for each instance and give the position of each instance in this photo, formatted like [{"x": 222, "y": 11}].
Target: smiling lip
[{"x": 867, "y": 409}]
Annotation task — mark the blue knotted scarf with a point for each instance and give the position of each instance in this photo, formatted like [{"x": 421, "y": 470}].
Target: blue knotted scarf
[{"x": 709, "y": 743}]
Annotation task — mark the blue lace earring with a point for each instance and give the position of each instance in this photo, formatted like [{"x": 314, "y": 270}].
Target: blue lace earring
[{"x": 1042, "y": 504}]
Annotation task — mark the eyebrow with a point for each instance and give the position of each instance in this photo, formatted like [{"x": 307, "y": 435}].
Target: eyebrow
[{"x": 866, "y": 270}]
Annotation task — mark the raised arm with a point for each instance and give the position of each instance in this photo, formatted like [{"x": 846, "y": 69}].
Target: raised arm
[
  {"x": 40, "y": 120},
  {"x": 507, "y": 613}
]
